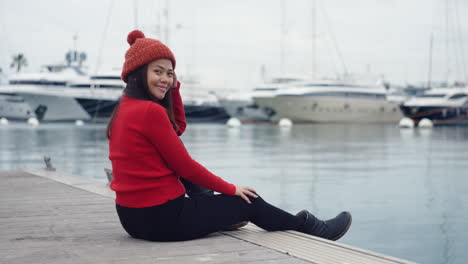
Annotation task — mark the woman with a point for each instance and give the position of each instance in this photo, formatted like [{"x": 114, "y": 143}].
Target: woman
[{"x": 148, "y": 161}]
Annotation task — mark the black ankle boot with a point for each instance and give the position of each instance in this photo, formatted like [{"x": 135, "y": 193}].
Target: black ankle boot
[{"x": 332, "y": 229}]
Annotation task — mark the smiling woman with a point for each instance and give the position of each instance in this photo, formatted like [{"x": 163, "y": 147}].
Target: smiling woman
[{"x": 149, "y": 160}]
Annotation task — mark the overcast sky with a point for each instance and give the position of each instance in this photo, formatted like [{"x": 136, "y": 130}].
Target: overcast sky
[{"x": 227, "y": 42}]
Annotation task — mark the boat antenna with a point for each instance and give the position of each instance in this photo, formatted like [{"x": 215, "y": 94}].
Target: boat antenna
[{"x": 75, "y": 40}]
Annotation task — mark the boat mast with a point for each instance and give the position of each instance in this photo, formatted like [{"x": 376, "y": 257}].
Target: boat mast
[
  {"x": 104, "y": 34},
  {"x": 283, "y": 34},
  {"x": 314, "y": 39},
  {"x": 447, "y": 55},
  {"x": 429, "y": 71}
]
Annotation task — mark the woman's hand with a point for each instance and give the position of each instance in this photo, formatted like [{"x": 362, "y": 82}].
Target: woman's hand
[
  {"x": 244, "y": 192},
  {"x": 174, "y": 81}
]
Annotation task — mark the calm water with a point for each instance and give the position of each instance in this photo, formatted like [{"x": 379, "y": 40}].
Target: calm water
[{"x": 407, "y": 189}]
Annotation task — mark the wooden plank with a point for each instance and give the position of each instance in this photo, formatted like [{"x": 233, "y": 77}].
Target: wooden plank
[{"x": 313, "y": 249}]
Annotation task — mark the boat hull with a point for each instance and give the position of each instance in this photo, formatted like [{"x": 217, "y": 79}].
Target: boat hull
[
  {"x": 205, "y": 113},
  {"x": 99, "y": 110},
  {"x": 245, "y": 111},
  {"x": 439, "y": 115},
  {"x": 55, "y": 108},
  {"x": 330, "y": 109},
  {"x": 13, "y": 107}
]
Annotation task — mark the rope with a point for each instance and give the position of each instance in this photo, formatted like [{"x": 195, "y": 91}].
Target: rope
[{"x": 335, "y": 42}]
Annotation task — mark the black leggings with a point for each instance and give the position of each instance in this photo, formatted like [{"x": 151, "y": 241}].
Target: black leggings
[{"x": 188, "y": 218}]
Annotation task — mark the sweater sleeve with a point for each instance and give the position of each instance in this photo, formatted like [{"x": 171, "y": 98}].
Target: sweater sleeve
[
  {"x": 178, "y": 109},
  {"x": 161, "y": 134}
]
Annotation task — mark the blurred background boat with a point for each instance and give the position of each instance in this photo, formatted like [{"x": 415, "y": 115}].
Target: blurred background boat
[
  {"x": 443, "y": 106},
  {"x": 242, "y": 106},
  {"x": 200, "y": 102},
  {"x": 333, "y": 100}
]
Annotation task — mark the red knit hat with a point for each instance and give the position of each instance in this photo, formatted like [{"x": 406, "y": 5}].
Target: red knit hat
[{"x": 143, "y": 51}]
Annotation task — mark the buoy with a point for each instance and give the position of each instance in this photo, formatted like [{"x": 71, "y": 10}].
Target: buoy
[
  {"x": 3, "y": 121},
  {"x": 285, "y": 122},
  {"x": 79, "y": 123},
  {"x": 406, "y": 122},
  {"x": 33, "y": 121},
  {"x": 425, "y": 123},
  {"x": 233, "y": 122}
]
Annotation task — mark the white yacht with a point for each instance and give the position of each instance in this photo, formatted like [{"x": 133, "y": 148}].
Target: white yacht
[
  {"x": 332, "y": 101},
  {"x": 44, "y": 92},
  {"x": 67, "y": 94},
  {"x": 440, "y": 105},
  {"x": 242, "y": 106},
  {"x": 36, "y": 90}
]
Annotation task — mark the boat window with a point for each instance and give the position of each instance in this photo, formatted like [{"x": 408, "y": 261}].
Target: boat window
[
  {"x": 344, "y": 94},
  {"x": 105, "y": 77},
  {"x": 432, "y": 95},
  {"x": 254, "y": 106},
  {"x": 39, "y": 82},
  {"x": 109, "y": 86},
  {"x": 285, "y": 80},
  {"x": 80, "y": 85},
  {"x": 329, "y": 85},
  {"x": 265, "y": 89},
  {"x": 457, "y": 96}
]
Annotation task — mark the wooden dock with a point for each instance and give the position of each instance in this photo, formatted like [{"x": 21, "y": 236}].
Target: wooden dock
[{"x": 52, "y": 217}]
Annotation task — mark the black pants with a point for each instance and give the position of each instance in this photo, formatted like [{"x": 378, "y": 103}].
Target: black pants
[{"x": 187, "y": 218}]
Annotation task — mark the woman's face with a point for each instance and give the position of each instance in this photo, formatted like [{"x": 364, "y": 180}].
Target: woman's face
[{"x": 160, "y": 76}]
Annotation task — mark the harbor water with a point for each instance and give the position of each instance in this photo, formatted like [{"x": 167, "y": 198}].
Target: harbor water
[{"x": 406, "y": 188}]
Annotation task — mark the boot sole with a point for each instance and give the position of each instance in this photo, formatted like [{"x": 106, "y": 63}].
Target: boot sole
[{"x": 345, "y": 230}]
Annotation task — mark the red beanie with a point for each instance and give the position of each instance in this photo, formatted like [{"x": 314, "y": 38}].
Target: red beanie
[{"x": 143, "y": 51}]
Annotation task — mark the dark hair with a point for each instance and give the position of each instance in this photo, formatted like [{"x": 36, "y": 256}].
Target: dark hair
[{"x": 137, "y": 87}]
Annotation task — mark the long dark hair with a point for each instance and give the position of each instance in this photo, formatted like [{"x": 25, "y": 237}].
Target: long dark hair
[{"x": 137, "y": 87}]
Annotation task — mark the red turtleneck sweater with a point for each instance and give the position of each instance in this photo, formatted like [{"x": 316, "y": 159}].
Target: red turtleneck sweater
[{"x": 148, "y": 157}]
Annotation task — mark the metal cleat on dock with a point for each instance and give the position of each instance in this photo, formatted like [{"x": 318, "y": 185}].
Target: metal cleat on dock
[
  {"x": 109, "y": 174},
  {"x": 48, "y": 163}
]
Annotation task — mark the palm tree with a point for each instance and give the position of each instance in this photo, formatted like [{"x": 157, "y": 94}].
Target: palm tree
[{"x": 19, "y": 61}]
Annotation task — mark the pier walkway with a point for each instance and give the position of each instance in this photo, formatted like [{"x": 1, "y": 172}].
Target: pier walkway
[{"x": 52, "y": 217}]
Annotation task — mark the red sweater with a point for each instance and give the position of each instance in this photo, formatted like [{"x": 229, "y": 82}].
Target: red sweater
[{"x": 148, "y": 157}]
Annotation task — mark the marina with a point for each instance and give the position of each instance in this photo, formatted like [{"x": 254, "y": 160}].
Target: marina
[{"x": 324, "y": 106}]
